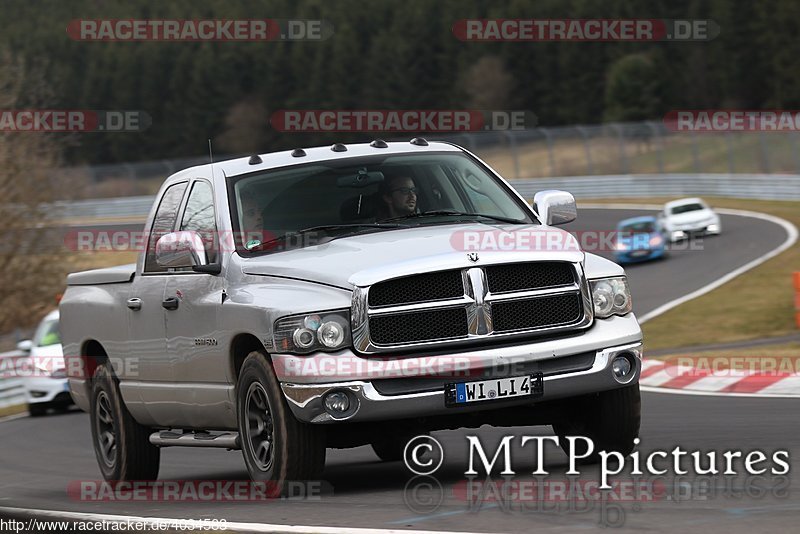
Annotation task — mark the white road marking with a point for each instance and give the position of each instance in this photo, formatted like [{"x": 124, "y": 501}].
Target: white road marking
[
  {"x": 185, "y": 524},
  {"x": 714, "y": 383}
]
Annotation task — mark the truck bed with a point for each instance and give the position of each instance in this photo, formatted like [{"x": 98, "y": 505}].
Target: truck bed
[{"x": 109, "y": 275}]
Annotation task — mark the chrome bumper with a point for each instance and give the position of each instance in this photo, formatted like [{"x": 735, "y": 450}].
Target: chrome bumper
[{"x": 306, "y": 399}]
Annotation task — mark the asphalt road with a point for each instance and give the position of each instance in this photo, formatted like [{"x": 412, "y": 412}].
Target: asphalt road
[{"x": 42, "y": 457}]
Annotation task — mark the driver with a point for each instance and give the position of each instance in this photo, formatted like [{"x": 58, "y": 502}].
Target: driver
[{"x": 399, "y": 196}]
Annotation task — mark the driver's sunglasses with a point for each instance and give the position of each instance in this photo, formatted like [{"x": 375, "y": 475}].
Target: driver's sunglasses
[{"x": 405, "y": 190}]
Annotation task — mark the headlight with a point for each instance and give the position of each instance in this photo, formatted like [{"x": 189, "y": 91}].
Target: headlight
[
  {"x": 611, "y": 296},
  {"x": 656, "y": 241},
  {"x": 312, "y": 332}
]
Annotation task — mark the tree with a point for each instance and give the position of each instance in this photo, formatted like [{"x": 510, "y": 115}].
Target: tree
[{"x": 632, "y": 89}]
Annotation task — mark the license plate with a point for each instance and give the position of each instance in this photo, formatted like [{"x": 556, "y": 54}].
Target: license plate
[
  {"x": 640, "y": 253},
  {"x": 495, "y": 389}
]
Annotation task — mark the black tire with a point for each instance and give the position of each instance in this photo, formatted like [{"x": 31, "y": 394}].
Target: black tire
[
  {"x": 277, "y": 448},
  {"x": 390, "y": 446},
  {"x": 610, "y": 419},
  {"x": 122, "y": 445},
  {"x": 37, "y": 410}
]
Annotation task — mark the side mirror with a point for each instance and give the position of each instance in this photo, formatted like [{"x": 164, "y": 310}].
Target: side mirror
[
  {"x": 25, "y": 345},
  {"x": 181, "y": 249},
  {"x": 555, "y": 207}
]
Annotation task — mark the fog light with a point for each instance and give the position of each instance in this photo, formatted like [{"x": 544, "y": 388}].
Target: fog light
[
  {"x": 712, "y": 228},
  {"x": 678, "y": 234},
  {"x": 337, "y": 402},
  {"x": 621, "y": 366}
]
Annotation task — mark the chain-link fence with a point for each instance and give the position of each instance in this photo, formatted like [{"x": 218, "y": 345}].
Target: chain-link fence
[
  {"x": 632, "y": 148},
  {"x": 606, "y": 149}
]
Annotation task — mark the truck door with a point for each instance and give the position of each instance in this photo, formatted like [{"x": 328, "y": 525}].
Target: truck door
[
  {"x": 200, "y": 365},
  {"x": 146, "y": 315}
]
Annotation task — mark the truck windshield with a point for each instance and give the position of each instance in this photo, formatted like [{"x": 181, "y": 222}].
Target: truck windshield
[{"x": 326, "y": 200}]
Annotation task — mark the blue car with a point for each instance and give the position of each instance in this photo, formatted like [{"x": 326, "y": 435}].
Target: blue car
[{"x": 639, "y": 239}]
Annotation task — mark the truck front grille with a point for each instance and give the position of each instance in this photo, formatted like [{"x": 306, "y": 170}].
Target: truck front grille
[
  {"x": 417, "y": 288},
  {"x": 527, "y": 276},
  {"x": 419, "y": 326},
  {"x": 536, "y": 313},
  {"x": 436, "y": 308}
]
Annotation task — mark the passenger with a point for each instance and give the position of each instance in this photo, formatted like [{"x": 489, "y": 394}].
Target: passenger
[{"x": 252, "y": 221}]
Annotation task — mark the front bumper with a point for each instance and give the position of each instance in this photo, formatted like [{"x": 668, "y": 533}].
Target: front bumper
[
  {"x": 606, "y": 338},
  {"x": 43, "y": 390}
]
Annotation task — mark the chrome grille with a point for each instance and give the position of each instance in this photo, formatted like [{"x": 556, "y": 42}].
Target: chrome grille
[
  {"x": 417, "y": 288},
  {"x": 535, "y": 313},
  {"x": 419, "y": 326},
  {"x": 525, "y": 276},
  {"x": 450, "y": 306}
]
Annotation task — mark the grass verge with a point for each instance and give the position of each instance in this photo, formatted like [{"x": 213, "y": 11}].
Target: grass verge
[
  {"x": 13, "y": 410},
  {"x": 755, "y": 305}
]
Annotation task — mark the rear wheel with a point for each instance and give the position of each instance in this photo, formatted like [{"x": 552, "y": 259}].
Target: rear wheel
[
  {"x": 277, "y": 448},
  {"x": 122, "y": 445},
  {"x": 610, "y": 419}
]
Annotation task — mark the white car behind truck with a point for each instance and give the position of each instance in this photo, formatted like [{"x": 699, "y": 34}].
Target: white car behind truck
[
  {"x": 283, "y": 306},
  {"x": 46, "y": 383}
]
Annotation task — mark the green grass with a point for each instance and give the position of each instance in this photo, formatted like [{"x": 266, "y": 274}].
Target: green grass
[
  {"x": 755, "y": 305},
  {"x": 13, "y": 410}
]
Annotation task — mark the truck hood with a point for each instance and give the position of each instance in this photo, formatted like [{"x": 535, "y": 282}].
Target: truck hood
[{"x": 362, "y": 260}]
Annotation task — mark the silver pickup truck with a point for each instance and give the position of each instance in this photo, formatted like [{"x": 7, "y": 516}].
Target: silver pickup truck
[{"x": 343, "y": 296}]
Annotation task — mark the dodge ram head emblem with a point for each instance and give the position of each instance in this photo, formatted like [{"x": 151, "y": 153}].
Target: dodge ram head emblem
[{"x": 472, "y": 256}]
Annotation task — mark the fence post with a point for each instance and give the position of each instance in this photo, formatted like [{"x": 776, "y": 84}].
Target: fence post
[
  {"x": 695, "y": 155},
  {"x": 623, "y": 159},
  {"x": 660, "y": 141},
  {"x": 587, "y": 148},
  {"x": 512, "y": 141},
  {"x": 764, "y": 153},
  {"x": 797, "y": 298},
  {"x": 550, "y": 157}
]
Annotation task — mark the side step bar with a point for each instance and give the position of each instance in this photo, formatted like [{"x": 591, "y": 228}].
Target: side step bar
[{"x": 224, "y": 440}]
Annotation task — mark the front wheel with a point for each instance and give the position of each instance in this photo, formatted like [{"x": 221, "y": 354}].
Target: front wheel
[
  {"x": 122, "y": 445},
  {"x": 610, "y": 419},
  {"x": 277, "y": 448}
]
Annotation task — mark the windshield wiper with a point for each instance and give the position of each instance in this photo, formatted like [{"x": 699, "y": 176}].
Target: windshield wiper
[
  {"x": 266, "y": 244},
  {"x": 434, "y": 213}
]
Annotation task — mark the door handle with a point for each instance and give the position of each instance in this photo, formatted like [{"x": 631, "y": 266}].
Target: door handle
[
  {"x": 134, "y": 303},
  {"x": 170, "y": 303}
]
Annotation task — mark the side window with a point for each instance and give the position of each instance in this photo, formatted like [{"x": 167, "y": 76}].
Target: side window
[
  {"x": 163, "y": 223},
  {"x": 199, "y": 216}
]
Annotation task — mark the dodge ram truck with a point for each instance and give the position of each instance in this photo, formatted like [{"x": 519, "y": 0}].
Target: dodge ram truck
[{"x": 359, "y": 294}]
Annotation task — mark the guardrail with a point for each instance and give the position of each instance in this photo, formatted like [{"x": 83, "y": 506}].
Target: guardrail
[
  {"x": 12, "y": 390},
  {"x": 753, "y": 186}
]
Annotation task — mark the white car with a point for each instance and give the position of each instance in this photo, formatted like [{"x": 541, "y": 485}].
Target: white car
[
  {"x": 46, "y": 384},
  {"x": 687, "y": 217}
]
